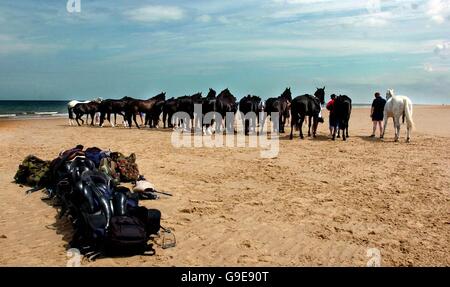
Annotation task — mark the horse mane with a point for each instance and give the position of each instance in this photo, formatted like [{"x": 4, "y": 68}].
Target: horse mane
[
  {"x": 226, "y": 94},
  {"x": 161, "y": 97},
  {"x": 390, "y": 93}
]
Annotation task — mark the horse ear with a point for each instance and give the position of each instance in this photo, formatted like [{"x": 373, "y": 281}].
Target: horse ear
[{"x": 323, "y": 87}]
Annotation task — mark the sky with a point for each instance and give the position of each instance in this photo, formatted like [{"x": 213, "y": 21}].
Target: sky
[{"x": 113, "y": 48}]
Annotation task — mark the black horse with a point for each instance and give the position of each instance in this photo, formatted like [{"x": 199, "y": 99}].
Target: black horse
[
  {"x": 186, "y": 104},
  {"x": 89, "y": 109},
  {"x": 208, "y": 105},
  {"x": 226, "y": 103},
  {"x": 278, "y": 105},
  {"x": 307, "y": 106},
  {"x": 249, "y": 107},
  {"x": 110, "y": 106},
  {"x": 169, "y": 109},
  {"x": 141, "y": 106},
  {"x": 153, "y": 115},
  {"x": 342, "y": 110}
]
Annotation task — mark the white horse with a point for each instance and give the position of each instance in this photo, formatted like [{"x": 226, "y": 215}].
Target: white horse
[
  {"x": 73, "y": 103},
  {"x": 396, "y": 107}
]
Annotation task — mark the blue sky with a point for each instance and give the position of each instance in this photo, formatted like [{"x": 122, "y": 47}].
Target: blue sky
[{"x": 133, "y": 48}]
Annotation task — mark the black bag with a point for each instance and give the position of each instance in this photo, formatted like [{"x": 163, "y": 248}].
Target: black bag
[
  {"x": 150, "y": 217},
  {"x": 126, "y": 236}
]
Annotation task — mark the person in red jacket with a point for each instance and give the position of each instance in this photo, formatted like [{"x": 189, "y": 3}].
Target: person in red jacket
[{"x": 333, "y": 121}]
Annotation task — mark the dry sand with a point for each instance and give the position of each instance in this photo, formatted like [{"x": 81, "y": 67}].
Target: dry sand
[{"x": 318, "y": 203}]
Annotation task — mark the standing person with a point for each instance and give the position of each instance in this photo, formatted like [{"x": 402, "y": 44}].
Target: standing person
[
  {"x": 332, "y": 120},
  {"x": 377, "y": 113}
]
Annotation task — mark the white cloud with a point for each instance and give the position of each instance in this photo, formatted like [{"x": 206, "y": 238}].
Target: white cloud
[
  {"x": 438, "y": 10},
  {"x": 155, "y": 13},
  {"x": 293, "y": 8},
  {"x": 10, "y": 44},
  {"x": 204, "y": 18},
  {"x": 223, "y": 20},
  {"x": 442, "y": 49}
]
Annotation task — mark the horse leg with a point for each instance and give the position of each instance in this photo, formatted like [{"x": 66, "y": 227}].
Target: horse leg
[
  {"x": 281, "y": 124},
  {"x": 395, "y": 130},
  {"x": 291, "y": 136},
  {"x": 408, "y": 133},
  {"x": 344, "y": 137},
  {"x": 135, "y": 121},
  {"x": 115, "y": 120},
  {"x": 92, "y": 118},
  {"x": 301, "y": 127},
  {"x": 398, "y": 129},
  {"x": 263, "y": 120},
  {"x": 309, "y": 126},
  {"x": 315, "y": 123},
  {"x": 78, "y": 117},
  {"x": 384, "y": 127}
]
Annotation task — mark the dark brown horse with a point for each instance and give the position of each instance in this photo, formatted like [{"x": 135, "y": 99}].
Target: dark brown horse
[
  {"x": 86, "y": 109},
  {"x": 110, "y": 106},
  {"x": 136, "y": 107}
]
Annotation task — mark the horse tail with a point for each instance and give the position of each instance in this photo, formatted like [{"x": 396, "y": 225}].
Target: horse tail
[{"x": 407, "y": 113}]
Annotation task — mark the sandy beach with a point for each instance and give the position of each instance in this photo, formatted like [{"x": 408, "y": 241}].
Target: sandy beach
[{"x": 318, "y": 203}]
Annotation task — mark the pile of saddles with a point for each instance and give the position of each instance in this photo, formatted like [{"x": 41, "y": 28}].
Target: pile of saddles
[{"x": 87, "y": 187}]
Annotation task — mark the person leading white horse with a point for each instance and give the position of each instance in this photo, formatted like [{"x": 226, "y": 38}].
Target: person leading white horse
[{"x": 396, "y": 107}]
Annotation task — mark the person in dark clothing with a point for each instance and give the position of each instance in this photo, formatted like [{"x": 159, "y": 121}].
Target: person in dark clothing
[
  {"x": 377, "y": 113},
  {"x": 332, "y": 120}
]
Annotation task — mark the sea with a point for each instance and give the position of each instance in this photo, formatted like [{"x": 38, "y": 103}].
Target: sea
[
  {"x": 14, "y": 109},
  {"x": 31, "y": 109}
]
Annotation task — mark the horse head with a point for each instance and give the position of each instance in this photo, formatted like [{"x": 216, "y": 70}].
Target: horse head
[
  {"x": 160, "y": 97},
  {"x": 287, "y": 94},
  {"x": 389, "y": 94},
  {"x": 211, "y": 94},
  {"x": 320, "y": 94}
]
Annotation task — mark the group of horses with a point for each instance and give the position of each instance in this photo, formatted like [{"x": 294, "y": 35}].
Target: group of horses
[{"x": 300, "y": 109}]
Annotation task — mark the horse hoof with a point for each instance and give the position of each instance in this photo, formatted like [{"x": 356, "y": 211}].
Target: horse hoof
[{"x": 408, "y": 140}]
